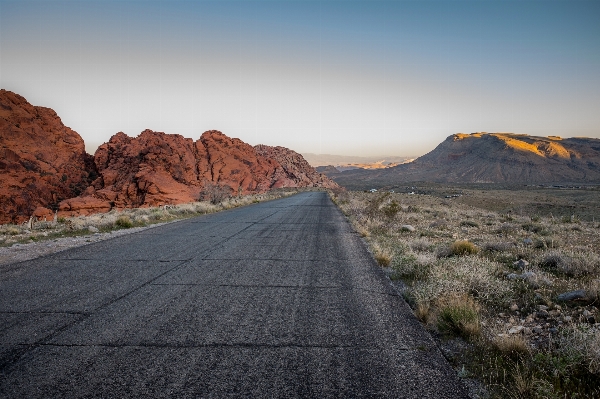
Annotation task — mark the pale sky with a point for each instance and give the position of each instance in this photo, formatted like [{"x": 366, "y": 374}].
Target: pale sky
[{"x": 363, "y": 78}]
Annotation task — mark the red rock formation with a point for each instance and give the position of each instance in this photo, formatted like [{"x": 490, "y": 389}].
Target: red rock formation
[
  {"x": 44, "y": 167},
  {"x": 296, "y": 171},
  {"x": 157, "y": 168},
  {"x": 234, "y": 163},
  {"x": 42, "y": 161}
]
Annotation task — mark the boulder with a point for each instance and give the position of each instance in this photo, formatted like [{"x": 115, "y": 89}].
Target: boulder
[{"x": 578, "y": 295}]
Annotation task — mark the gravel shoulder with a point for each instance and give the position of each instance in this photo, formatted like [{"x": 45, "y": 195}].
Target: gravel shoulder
[{"x": 33, "y": 250}]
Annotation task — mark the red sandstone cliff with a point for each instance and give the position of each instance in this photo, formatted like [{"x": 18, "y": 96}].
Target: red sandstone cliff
[{"x": 42, "y": 161}]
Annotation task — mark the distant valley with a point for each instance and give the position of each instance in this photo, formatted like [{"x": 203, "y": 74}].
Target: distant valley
[{"x": 343, "y": 162}]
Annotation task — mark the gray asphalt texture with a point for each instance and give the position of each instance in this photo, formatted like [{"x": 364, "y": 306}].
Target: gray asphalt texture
[{"x": 277, "y": 299}]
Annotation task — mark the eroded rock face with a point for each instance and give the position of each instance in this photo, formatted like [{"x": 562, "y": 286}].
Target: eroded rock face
[
  {"x": 296, "y": 171},
  {"x": 44, "y": 167},
  {"x": 151, "y": 169},
  {"x": 157, "y": 168},
  {"x": 232, "y": 162},
  {"x": 42, "y": 161}
]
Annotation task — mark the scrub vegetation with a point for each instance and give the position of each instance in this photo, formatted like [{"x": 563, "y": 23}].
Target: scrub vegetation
[
  {"x": 512, "y": 297},
  {"x": 126, "y": 218}
]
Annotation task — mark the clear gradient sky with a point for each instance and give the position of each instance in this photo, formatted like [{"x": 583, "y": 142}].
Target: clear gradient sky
[{"x": 339, "y": 77}]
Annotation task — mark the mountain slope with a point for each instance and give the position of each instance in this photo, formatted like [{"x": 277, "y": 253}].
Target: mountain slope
[{"x": 493, "y": 158}]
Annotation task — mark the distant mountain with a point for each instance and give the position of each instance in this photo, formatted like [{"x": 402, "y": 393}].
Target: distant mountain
[
  {"x": 316, "y": 160},
  {"x": 328, "y": 170},
  {"x": 492, "y": 158},
  {"x": 44, "y": 167}
]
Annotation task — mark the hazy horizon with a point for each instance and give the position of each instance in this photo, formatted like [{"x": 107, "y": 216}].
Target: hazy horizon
[{"x": 353, "y": 78}]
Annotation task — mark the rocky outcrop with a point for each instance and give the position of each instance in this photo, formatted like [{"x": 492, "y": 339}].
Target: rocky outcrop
[
  {"x": 156, "y": 168},
  {"x": 42, "y": 161},
  {"x": 44, "y": 167},
  {"x": 493, "y": 158},
  {"x": 232, "y": 162},
  {"x": 296, "y": 171}
]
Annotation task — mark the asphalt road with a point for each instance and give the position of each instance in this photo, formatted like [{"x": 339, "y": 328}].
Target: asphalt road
[{"x": 278, "y": 299}]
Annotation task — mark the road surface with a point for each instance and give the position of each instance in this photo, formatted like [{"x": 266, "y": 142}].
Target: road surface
[{"x": 277, "y": 299}]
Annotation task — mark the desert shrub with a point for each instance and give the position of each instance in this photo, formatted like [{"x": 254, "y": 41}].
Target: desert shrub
[
  {"x": 498, "y": 246},
  {"x": 532, "y": 227},
  {"x": 214, "y": 193},
  {"x": 506, "y": 228},
  {"x": 523, "y": 383},
  {"x": 412, "y": 209},
  {"x": 382, "y": 255},
  {"x": 552, "y": 260},
  {"x": 582, "y": 341},
  {"x": 443, "y": 252},
  {"x": 383, "y": 259},
  {"x": 462, "y": 275},
  {"x": 469, "y": 223},
  {"x": 546, "y": 242},
  {"x": 459, "y": 315},
  {"x": 124, "y": 222},
  {"x": 571, "y": 263},
  {"x": 421, "y": 245},
  {"x": 423, "y": 312},
  {"x": 511, "y": 345},
  {"x": 373, "y": 207},
  {"x": 13, "y": 231},
  {"x": 410, "y": 267},
  {"x": 570, "y": 219},
  {"x": 439, "y": 224},
  {"x": 390, "y": 210},
  {"x": 463, "y": 247}
]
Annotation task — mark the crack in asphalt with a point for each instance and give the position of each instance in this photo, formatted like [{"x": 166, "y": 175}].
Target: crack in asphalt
[
  {"x": 208, "y": 345},
  {"x": 300, "y": 287}
]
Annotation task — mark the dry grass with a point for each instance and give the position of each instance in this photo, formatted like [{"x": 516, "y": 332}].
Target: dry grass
[
  {"x": 457, "y": 267},
  {"x": 125, "y": 218},
  {"x": 511, "y": 345},
  {"x": 124, "y": 222},
  {"x": 459, "y": 314},
  {"x": 462, "y": 248},
  {"x": 382, "y": 255}
]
